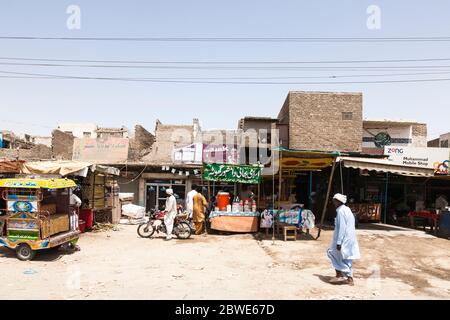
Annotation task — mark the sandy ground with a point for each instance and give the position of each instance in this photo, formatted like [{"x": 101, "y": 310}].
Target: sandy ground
[{"x": 395, "y": 264}]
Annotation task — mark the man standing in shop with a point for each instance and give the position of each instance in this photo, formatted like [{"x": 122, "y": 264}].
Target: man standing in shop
[
  {"x": 344, "y": 248},
  {"x": 171, "y": 212},
  {"x": 200, "y": 204},
  {"x": 441, "y": 202}
]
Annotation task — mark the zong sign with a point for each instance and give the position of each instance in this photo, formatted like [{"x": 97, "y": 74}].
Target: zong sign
[{"x": 426, "y": 158}]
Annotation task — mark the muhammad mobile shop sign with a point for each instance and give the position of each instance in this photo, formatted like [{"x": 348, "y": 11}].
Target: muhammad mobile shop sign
[
  {"x": 232, "y": 173},
  {"x": 426, "y": 158}
]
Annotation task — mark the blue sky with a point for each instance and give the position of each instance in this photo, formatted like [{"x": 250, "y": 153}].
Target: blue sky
[{"x": 37, "y": 105}]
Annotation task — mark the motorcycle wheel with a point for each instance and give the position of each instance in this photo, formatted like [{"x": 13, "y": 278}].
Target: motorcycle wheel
[
  {"x": 145, "y": 230},
  {"x": 183, "y": 230}
]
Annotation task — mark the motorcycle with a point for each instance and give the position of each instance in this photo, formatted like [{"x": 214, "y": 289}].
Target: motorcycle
[
  {"x": 181, "y": 227},
  {"x": 188, "y": 220}
]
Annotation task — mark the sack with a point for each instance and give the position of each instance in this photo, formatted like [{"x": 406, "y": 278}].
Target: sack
[
  {"x": 308, "y": 219},
  {"x": 133, "y": 211},
  {"x": 266, "y": 219}
]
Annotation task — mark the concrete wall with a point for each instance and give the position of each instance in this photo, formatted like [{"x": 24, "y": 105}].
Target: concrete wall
[
  {"x": 316, "y": 121},
  {"x": 402, "y": 135},
  {"x": 78, "y": 129},
  {"x": 126, "y": 185},
  {"x": 46, "y": 141}
]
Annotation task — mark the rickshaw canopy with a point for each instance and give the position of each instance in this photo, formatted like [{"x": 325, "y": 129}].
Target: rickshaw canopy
[{"x": 37, "y": 183}]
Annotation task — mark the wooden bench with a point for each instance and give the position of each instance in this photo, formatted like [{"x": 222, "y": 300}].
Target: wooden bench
[{"x": 287, "y": 232}]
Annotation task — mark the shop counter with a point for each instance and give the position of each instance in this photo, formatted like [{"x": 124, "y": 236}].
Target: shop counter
[
  {"x": 366, "y": 212},
  {"x": 432, "y": 216},
  {"x": 234, "y": 221}
]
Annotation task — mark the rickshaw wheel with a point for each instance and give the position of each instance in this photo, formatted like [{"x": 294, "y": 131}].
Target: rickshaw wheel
[{"x": 24, "y": 252}]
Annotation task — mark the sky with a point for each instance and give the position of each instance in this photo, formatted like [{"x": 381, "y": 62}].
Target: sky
[{"x": 37, "y": 105}]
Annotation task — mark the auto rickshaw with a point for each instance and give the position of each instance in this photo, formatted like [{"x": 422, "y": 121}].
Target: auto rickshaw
[{"x": 35, "y": 214}]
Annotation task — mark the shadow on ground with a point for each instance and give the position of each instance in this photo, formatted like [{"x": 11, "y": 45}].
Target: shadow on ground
[{"x": 47, "y": 255}]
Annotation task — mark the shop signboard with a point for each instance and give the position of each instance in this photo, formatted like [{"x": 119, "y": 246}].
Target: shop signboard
[
  {"x": 220, "y": 153},
  {"x": 379, "y": 138},
  {"x": 426, "y": 158},
  {"x": 231, "y": 173},
  {"x": 191, "y": 154},
  {"x": 107, "y": 150}
]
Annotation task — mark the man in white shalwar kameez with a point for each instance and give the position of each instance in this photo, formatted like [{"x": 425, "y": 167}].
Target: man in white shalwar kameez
[
  {"x": 171, "y": 212},
  {"x": 190, "y": 200},
  {"x": 344, "y": 248}
]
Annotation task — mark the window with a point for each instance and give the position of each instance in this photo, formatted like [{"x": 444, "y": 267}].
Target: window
[
  {"x": 347, "y": 115},
  {"x": 69, "y": 132},
  {"x": 86, "y": 134},
  {"x": 444, "y": 144}
]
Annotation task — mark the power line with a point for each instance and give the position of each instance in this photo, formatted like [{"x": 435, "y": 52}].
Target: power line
[
  {"x": 222, "y": 67},
  {"x": 38, "y": 76},
  {"x": 45, "y": 76},
  {"x": 228, "y": 62},
  {"x": 238, "y": 39}
]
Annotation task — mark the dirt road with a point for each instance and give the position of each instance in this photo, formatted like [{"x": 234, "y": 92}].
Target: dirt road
[{"x": 395, "y": 264}]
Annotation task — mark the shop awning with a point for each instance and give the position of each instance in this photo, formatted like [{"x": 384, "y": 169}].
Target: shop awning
[
  {"x": 37, "y": 183},
  {"x": 64, "y": 168},
  {"x": 305, "y": 160},
  {"x": 384, "y": 165},
  {"x": 10, "y": 166}
]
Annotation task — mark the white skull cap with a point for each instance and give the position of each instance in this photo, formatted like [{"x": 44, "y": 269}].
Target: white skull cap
[{"x": 340, "y": 197}]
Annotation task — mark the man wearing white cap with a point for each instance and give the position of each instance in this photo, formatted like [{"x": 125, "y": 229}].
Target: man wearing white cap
[
  {"x": 171, "y": 212},
  {"x": 345, "y": 247}
]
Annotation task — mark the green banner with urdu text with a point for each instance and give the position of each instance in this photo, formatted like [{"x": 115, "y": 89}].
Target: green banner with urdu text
[{"x": 231, "y": 173}]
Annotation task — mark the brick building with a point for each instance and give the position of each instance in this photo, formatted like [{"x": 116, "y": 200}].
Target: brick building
[
  {"x": 326, "y": 121},
  {"x": 441, "y": 142}
]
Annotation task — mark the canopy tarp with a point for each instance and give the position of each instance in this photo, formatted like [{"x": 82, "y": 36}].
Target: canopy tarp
[
  {"x": 232, "y": 173},
  {"x": 66, "y": 167},
  {"x": 37, "y": 183},
  {"x": 384, "y": 165},
  {"x": 10, "y": 166}
]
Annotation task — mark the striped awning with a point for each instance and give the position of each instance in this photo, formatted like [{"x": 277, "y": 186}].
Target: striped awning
[{"x": 384, "y": 165}]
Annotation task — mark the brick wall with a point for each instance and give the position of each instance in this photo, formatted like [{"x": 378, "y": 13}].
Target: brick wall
[
  {"x": 37, "y": 152},
  {"x": 62, "y": 145},
  {"x": 316, "y": 121},
  {"x": 283, "y": 116},
  {"x": 141, "y": 144},
  {"x": 419, "y": 135},
  {"x": 168, "y": 137},
  {"x": 433, "y": 143}
]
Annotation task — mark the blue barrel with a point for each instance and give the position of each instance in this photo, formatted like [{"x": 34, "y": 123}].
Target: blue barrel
[{"x": 444, "y": 225}]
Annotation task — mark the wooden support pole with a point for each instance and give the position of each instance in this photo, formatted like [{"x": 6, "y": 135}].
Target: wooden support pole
[
  {"x": 325, "y": 205},
  {"x": 280, "y": 175},
  {"x": 259, "y": 194}
]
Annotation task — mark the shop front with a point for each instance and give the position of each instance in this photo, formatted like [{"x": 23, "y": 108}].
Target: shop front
[
  {"x": 234, "y": 207},
  {"x": 383, "y": 190},
  {"x": 148, "y": 183}
]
